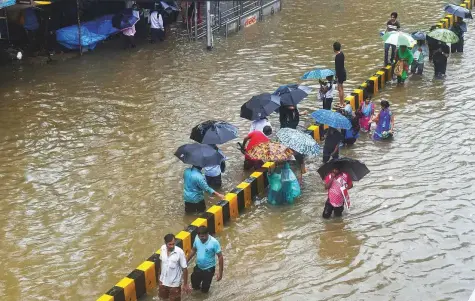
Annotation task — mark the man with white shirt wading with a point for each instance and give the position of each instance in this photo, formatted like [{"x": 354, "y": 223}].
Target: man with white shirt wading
[
  {"x": 174, "y": 270},
  {"x": 157, "y": 30}
]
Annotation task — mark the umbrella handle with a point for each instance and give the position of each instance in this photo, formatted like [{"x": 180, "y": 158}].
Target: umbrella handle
[{"x": 241, "y": 148}]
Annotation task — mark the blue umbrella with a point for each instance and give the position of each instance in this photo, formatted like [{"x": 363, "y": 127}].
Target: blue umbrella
[
  {"x": 201, "y": 155},
  {"x": 332, "y": 119},
  {"x": 463, "y": 26},
  {"x": 167, "y": 6},
  {"x": 260, "y": 106},
  {"x": 318, "y": 74},
  {"x": 458, "y": 11},
  {"x": 124, "y": 20},
  {"x": 291, "y": 95},
  {"x": 419, "y": 36},
  {"x": 214, "y": 132}
]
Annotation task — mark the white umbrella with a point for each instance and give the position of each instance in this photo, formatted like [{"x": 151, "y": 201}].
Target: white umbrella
[{"x": 398, "y": 38}]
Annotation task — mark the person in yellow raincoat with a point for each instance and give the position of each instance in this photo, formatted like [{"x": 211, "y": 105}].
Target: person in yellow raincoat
[{"x": 404, "y": 59}]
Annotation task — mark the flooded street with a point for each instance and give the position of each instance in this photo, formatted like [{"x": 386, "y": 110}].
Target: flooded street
[{"x": 90, "y": 185}]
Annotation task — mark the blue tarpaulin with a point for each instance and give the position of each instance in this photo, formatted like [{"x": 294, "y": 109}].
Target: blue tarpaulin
[
  {"x": 6, "y": 3},
  {"x": 92, "y": 32}
]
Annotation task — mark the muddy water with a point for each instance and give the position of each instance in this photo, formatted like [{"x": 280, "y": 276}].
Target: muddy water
[{"x": 90, "y": 184}]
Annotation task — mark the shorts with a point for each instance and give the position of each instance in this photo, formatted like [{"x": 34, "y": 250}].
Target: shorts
[
  {"x": 170, "y": 293},
  {"x": 341, "y": 80},
  {"x": 195, "y": 207}
]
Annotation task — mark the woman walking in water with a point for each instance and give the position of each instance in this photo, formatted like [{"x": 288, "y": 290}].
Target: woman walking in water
[{"x": 365, "y": 113}]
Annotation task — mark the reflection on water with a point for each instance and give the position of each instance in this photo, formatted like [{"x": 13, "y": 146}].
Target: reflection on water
[
  {"x": 90, "y": 184},
  {"x": 338, "y": 246}
]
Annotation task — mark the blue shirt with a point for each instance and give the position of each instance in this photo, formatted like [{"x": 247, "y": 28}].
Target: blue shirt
[
  {"x": 194, "y": 186},
  {"x": 206, "y": 252},
  {"x": 215, "y": 170}
]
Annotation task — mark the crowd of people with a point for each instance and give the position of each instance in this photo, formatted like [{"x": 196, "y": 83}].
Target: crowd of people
[
  {"x": 284, "y": 185},
  {"x": 405, "y": 59},
  {"x": 158, "y": 21}
]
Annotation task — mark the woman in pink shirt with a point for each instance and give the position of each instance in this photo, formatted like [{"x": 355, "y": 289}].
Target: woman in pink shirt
[{"x": 337, "y": 183}]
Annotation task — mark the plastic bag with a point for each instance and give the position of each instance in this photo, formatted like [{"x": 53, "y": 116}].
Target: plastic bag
[
  {"x": 290, "y": 185},
  {"x": 274, "y": 196}
]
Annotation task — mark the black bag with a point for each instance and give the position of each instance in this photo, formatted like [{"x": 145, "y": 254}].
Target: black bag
[{"x": 223, "y": 166}]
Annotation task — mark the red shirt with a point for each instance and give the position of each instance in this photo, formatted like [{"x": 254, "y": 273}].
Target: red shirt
[
  {"x": 255, "y": 138},
  {"x": 335, "y": 193}
]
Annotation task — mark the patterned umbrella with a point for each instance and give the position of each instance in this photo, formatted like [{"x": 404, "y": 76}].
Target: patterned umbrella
[
  {"x": 318, "y": 74},
  {"x": 270, "y": 151},
  {"x": 444, "y": 35},
  {"x": 399, "y": 38},
  {"x": 333, "y": 119},
  {"x": 214, "y": 132},
  {"x": 298, "y": 141},
  {"x": 458, "y": 11}
]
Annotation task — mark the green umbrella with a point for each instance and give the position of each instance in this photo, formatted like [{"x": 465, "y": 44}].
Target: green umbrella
[
  {"x": 399, "y": 39},
  {"x": 444, "y": 35}
]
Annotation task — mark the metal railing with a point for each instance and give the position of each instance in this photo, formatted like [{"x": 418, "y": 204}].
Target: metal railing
[{"x": 226, "y": 12}]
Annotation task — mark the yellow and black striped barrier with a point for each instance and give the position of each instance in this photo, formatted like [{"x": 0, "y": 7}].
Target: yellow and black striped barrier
[{"x": 145, "y": 277}]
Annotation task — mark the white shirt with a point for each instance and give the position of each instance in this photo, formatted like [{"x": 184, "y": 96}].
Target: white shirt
[
  {"x": 259, "y": 125},
  {"x": 215, "y": 170},
  {"x": 172, "y": 266},
  {"x": 156, "y": 20},
  {"x": 330, "y": 91}
]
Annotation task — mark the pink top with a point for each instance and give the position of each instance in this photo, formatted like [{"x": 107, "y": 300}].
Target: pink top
[
  {"x": 129, "y": 31},
  {"x": 335, "y": 192}
]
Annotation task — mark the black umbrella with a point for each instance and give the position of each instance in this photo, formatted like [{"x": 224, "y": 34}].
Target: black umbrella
[
  {"x": 291, "y": 95},
  {"x": 214, "y": 132},
  {"x": 260, "y": 106},
  {"x": 356, "y": 169},
  {"x": 201, "y": 155}
]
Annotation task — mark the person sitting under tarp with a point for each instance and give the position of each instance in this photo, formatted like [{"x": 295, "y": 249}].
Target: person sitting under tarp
[{"x": 283, "y": 185}]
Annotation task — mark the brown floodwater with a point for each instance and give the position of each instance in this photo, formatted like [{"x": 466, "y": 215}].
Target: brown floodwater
[{"x": 90, "y": 185}]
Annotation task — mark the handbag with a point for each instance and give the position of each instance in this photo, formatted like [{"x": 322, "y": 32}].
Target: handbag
[{"x": 398, "y": 69}]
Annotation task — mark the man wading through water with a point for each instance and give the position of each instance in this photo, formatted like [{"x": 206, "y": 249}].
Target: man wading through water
[
  {"x": 173, "y": 270},
  {"x": 206, "y": 248}
]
